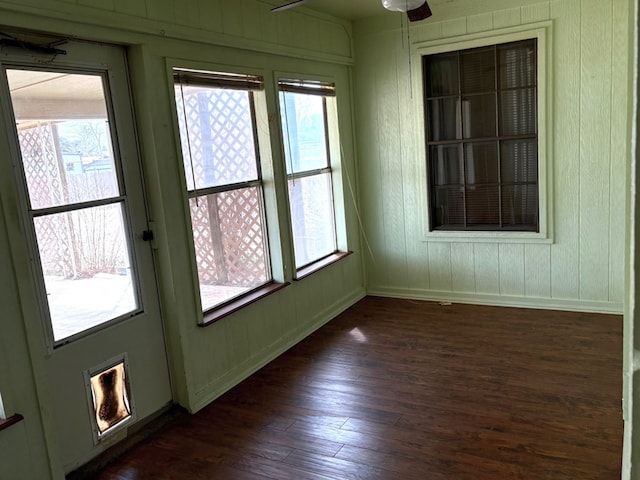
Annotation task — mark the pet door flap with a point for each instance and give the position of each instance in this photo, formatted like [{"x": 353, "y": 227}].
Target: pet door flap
[{"x": 109, "y": 396}]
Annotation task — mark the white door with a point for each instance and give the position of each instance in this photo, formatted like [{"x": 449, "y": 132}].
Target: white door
[{"x": 71, "y": 165}]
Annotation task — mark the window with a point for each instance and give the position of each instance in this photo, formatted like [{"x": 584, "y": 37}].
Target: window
[
  {"x": 304, "y": 117},
  {"x": 218, "y": 130},
  {"x": 481, "y": 109}
]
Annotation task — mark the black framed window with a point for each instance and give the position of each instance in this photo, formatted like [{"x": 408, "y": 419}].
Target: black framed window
[{"x": 482, "y": 139}]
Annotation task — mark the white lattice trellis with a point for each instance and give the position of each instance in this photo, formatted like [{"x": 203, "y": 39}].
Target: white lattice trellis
[
  {"x": 219, "y": 149},
  {"x": 71, "y": 245}
]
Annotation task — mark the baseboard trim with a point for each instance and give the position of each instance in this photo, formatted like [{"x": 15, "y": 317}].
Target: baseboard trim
[
  {"x": 587, "y": 306},
  {"x": 219, "y": 386}
]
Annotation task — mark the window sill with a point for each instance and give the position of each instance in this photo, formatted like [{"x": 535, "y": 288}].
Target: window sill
[
  {"x": 320, "y": 264},
  {"x": 219, "y": 313},
  {"x": 12, "y": 420},
  {"x": 487, "y": 237}
]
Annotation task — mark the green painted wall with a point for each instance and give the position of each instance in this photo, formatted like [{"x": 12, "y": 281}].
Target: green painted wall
[
  {"x": 582, "y": 268},
  {"x": 204, "y": 362}
]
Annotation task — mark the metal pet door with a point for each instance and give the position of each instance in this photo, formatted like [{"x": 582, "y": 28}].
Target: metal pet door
[{"x": 109, "y": 396}]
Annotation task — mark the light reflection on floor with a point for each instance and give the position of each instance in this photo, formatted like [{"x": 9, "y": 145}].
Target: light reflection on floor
[{"x": 357, "y": 335}]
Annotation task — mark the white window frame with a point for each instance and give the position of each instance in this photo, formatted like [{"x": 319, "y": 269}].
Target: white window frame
[
  {"x": 334, "y": 168},
  {"x": 265, "y": 174},
  {"x": 542, "y": 33}
]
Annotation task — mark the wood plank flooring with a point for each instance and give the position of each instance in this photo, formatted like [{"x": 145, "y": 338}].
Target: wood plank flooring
[{"x": 409, "y": 390}]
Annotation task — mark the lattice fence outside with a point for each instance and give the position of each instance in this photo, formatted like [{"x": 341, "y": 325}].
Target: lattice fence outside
[
  {"x": 218, "y": 149},
  {"x": 44, "y": 181},
  {"x": 76, "y": 244}
]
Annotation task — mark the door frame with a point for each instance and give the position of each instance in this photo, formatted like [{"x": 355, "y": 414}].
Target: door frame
[{"x": 28, "y": 277}]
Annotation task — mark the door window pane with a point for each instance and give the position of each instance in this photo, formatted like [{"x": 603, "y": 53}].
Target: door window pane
[
  {"x": 64, "y": 137},
  {"x": 75, "y": 198},
  {"x": 85, "y": 263}
]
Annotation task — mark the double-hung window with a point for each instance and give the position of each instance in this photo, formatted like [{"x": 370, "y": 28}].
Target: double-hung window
[
  {"x": 220, "y": 148},
  {"x": 481, "y": 109},
  {"x": 304, "y": 107}
]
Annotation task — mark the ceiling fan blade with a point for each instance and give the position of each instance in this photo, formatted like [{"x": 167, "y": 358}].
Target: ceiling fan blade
[
  {"x": 420, "y": 13},
  {"x": 288, "y": 5}
]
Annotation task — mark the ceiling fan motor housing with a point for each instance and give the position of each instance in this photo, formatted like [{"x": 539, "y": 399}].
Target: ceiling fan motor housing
[{"x": 415, "y": 9}]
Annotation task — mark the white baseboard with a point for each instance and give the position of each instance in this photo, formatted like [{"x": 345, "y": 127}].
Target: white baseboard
[{"x": 588, "y": 306}]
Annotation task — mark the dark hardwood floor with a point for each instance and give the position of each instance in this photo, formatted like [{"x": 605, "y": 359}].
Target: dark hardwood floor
[{"x": 408, "y": 390}]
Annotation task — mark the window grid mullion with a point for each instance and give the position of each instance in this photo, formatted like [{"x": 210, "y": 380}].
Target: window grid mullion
[
  {"x": 229, "y": 187},
  {"x": 461, "y": 143},
  {"x": 308, "y": 173},
  {"x": 74, "y": 207},
  {"x": 254, "y": 128},
  {"x": 497, "y": 106},
  {"x": 484, "y": 139},
  {"x": 326, "y": 131}
]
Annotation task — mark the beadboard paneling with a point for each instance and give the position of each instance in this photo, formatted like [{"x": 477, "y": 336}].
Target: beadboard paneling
[
  {"x": 565, "y": 254},
  {"x": 512, "y": 265},
  {"x": 486, "y": 267},
  {"x": 440, "y": 278},
  {"x": 619, "y": 149},
  {"x": 390, "y": 144},
  {"x": 462, "y": 267},
  {"x": 595, "y": 149}
]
